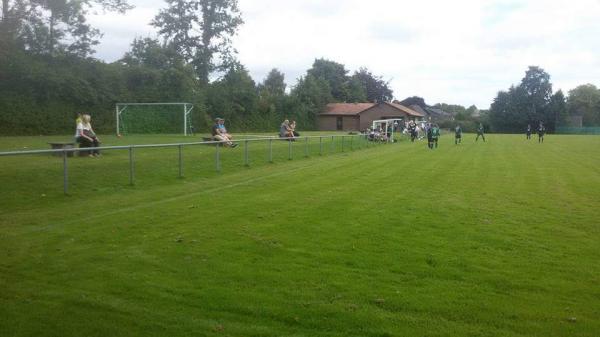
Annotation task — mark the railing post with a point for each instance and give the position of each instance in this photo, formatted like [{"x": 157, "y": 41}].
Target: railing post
[
  {"x": 218, "y": 157},
  {"x": 65, "y": 174},
  {"x": 289, "y": 149},
  {"x": 332, "y": 146},
  {"x": 246, "y": 161},
  {"x": 131, "y": 167},
  {"x": 320, "y": 145},
  {"x": 342, "y": 143},
  {"x": 270, "y": 150},
  {"x": 180, "y": 161},
  {"x": 306, "y": 147}
]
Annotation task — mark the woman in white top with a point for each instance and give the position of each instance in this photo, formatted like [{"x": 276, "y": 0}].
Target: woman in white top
[{"x": 86, "y": 137}]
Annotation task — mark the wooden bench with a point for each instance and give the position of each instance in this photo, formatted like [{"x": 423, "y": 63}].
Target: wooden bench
[{"x": 62, "y": 146}]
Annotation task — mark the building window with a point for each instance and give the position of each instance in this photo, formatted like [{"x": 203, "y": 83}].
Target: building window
[{"x": 340, "y": 123}]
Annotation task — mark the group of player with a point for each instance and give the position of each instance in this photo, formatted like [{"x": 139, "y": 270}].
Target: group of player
[
  {"x": 541, "y": 131},
  {"x": 432, "y": 130}
]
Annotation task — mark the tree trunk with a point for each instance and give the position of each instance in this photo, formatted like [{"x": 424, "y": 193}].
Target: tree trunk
[
  {"x": 203, "y": 66},
  {"x": 4, "y": 10},
  {"x": 51, "y": 39}
]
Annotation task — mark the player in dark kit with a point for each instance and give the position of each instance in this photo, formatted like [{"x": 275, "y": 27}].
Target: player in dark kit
[
  {"x": 412, "y": 128},
  {"x": 541, "y": 132},
  {"x": 457, "y": 135},
  {"x": 429, "y": 132},
  {"x": 529, "y": 131},
  {"x": 435, "y": 135},
  {"x": 480, "y": 132}
]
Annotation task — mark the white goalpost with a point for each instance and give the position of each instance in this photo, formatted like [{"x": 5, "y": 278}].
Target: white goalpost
[
  {"x": 186, "y": 111},
  {"x": 388, "y": 125}
]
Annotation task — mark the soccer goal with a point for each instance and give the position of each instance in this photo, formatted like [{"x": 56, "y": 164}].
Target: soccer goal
[
  {"x": 154, "y": 118},
  {"x": 388, "y": 126}
]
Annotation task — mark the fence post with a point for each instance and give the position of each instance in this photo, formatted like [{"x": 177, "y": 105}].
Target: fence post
[
  {"x": 218, "y": 157},
  {"x": 332, "y": 146},
  {"x": 320, "y": 145},
  {"x": 246, "y": 162},
  {"x": 306, "y": 147},
  {"x": 342, "y": 143},
  {"x": 289, "y": 149},
  {"x": 270, "y": 150},
  {"x": 351, "y": 141},
  {"x": 180, "y": 161},
  {"x": 65, "y": 174},
  {"x": 131, "y": 167}
]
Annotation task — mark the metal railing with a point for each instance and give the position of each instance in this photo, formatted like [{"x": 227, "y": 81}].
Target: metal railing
[{"x": 348, "y": 142}]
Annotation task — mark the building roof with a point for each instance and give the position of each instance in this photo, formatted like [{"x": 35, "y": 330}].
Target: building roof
[
  {"x": 347, "y": 109},
  {"x": 353, "y": 109},
  {"x": 408, "y": 111},
  {"x": 418, "y": 109}
]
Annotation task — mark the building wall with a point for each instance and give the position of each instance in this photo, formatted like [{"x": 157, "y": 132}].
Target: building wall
[
  {"x": 329, "y": 123},
  {"x": 381, "y": 111}
]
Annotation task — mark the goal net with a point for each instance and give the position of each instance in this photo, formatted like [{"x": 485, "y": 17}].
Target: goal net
[{"x": 136, "y": 118}]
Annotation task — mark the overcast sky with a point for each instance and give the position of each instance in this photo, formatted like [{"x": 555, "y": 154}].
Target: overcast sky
[{"x": 460, "y": 52}]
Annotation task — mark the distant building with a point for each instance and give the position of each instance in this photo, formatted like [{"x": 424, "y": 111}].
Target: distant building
[{"x": 360, "y": 116}]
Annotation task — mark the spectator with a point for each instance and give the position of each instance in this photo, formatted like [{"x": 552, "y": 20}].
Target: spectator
[
  {"x": 293, "y": 129},
  {"x": 285, "y": 131},
  {"x": 86, "y": 137},
  {"x": 219, "y": 133}
]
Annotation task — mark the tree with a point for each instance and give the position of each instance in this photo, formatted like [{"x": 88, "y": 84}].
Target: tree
[
  {"x": 234, "y": 97},
  {"x": 557, "y": 111},
  {"x": 151, "y": 53},
  {"x": 584, "y": 101},
  {"x": 528, "y": 103},
  {"x": 201, "y": 30},
  {"x": 335, "y": 75},
  {"x": 414, "y": 100},
  {"x": 274, "y": 84},
  {"x": 538, "y": 90},
  {"x": 308, "y": 98},
  {"x": 55, "y": 26},
  {"x": 375, "y": 88},
  {"x": 506, "y": 112}
]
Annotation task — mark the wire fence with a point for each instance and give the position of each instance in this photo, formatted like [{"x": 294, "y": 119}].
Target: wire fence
[
  {"x": 214, "y": 156},
  {"x": 566, "y": 130}
]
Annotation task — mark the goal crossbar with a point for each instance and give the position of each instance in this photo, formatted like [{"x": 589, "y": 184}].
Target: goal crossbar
[{"x": 187, "y": 110}]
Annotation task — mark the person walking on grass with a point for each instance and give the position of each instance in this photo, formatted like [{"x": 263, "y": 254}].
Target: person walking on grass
[
  {"x": 435, "y": 135},
  {"x": 541, "y": 132},
  {"x": 429, "y": 132},
  {"x": 528, "y": 131},
  {"x": 457, "y": 135},
  {"x": 480, "y": 133}
]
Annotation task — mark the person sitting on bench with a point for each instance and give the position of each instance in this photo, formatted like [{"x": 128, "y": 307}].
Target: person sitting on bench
[
  {"x": 86, "y": 137},
  {"x": 293, "y": 129},
  {"x": 285, "y": 131},
  {"x": 219, "y": 133}
]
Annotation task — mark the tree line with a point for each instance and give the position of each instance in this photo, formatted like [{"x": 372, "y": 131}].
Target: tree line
[
  {"x": 533, "y": 101},
  {"x": 48, "y": 72}
]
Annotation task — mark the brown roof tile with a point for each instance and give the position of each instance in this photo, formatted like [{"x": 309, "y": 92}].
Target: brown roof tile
[
  {"x": 349, "y": 109},
  {"x": 409, "y": 111}
]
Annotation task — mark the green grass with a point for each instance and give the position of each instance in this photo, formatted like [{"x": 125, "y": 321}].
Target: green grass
[{"x": 482, "y": 239}]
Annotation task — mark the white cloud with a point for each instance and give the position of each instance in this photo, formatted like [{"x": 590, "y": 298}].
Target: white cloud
[{"x": 452, "y": 51}]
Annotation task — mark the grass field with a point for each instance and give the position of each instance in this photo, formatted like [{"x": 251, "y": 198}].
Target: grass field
[{"x": 483, "y": 239}]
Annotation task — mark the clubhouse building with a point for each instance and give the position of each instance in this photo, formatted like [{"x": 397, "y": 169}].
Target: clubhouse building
[{"x": 360, "y": 116}]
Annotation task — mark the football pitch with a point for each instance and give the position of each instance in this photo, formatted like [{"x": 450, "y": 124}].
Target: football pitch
[{"x": 482, "y": 239}]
